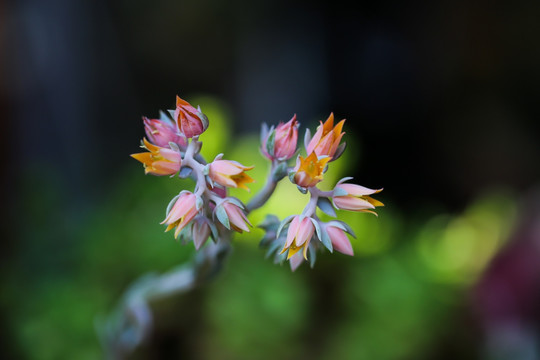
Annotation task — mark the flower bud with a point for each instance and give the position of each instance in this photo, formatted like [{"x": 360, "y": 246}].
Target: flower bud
[
  {"x": 280, "y": 144},
  {"x": 339, "y": 239},
  {"x": 299, "y": 235},
  {"x": 354, "y": 197},
  {"x": 200, "y": 231},
  {"x": 230, "y": 214},
  {"x": 162, "y": 131},
  {"x": 182, "y": 212},
  {"x": 309, "y": 171},
  {"x": 229, "y": 173},
  {"x": 191, "y": 122},
  {"x": 326, "y": 139},
  {"x": 159, "y": 161}
]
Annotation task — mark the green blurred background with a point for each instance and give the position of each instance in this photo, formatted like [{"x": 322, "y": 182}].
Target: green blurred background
[{"x": 441, "y": 103}]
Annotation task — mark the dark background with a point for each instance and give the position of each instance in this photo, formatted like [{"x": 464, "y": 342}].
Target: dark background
[{"x": 441, "y": 101}]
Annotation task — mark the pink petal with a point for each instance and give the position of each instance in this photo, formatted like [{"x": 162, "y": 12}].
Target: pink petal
[
  {"x": 295, "y": 261},
  {"x": 357, "y": 190},
  {"x": 293, "y": 229},
  {"x": 352, "y": 203},
  {"x": 339, "y": 239},
  {"x": 305, "y": 231}
]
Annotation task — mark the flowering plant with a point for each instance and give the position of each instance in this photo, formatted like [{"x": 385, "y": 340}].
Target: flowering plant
[{"x": 173, "y": 148}]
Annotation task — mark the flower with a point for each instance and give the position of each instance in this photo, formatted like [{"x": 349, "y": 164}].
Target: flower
[
  {"x": 309, "y": 171},
  {"x": 300, "y": 231},
  {"x": 191, "y": 122},
  {"x": 354, "y": 197},
  {"x": 280, "y": 144},
  {"x": 339, "y": 240},
  {"x": 200, "y": 231},
  {"x": 182, "y": 212},
  {"x": 230, "y": 214},
  {"x": 326, "y": 139},
  {"x": 162, "y": 131},
  {"x": 159, "y": 160},
  {"x": 229, "y": 173}
]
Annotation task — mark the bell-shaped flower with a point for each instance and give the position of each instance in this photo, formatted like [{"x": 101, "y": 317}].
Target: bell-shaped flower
[
  {"x": 229, "y": 173},
  {"x": 231, "y": 214},
  {"x": 200, "y": 231},
  {"x": 280, "y": 144},
  {"x": 299, "y": 235},
  {"x": 339, "y": 239},
  {"x": 191, "y": 122},
  {"x": 162, "y": 131},
  {"x": 354, "y": 197},
  {"x": 182, "y": 210},
  {"x": 326, "y": 139},
  {"x": 159, "y": 160},
  {"x": 309, "y": 171}
]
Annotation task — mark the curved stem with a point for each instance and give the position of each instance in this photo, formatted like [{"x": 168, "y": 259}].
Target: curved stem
[{"x": 264, "y": 194}]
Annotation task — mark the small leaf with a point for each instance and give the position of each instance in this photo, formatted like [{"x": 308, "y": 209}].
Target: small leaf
[
  {"x": 317, "y": 227},
  {"x": 339, "y": 192},
  {"x": 326, "y": 206},
  {"x": 223, "y": 217},
  {"x": 303, "y": 190},
  {"x": 273, "y": 248},
  {"x": 174, "y": 146},
  {"x": 307, "y": 138},
  {"x": 270, "y": 143},
  {"x": 291, "y": 176},
  {"x": 199, "y": 203},
  {"x": 344, "y": 179},
  {"x": 213, "y": 229},
  {"x": 264, "y": 131},
  {"x": 280, "y": 172},
  {"x": 325, "y": 239},
  {"x": 171, "y": 113},
  {"x": 236, "y": 202},
  {"x": 343, "y": 226},
  {"x": 312, "y": 255},
  {"x": 171, "y": 204},
  {"x": 285, "y": 221},
  {"x": 339, "y": 151},
  {"x": 269, "y": 222},
  {"x": 185, "y": 172}
]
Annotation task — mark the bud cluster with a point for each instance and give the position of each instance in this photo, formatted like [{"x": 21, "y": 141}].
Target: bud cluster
[{"x": 173, "y": 149}]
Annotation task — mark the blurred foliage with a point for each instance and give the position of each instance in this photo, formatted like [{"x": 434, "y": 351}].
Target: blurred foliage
[{"x": 394, "y": 300}]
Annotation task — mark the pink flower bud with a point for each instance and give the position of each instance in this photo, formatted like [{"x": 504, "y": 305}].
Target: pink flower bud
[
  {"x": 339, "y": 240},
  {"x": 356, "y": 198},
  {"x": 159, "y": 161},
  {"x": 326, "y": 139},
  {"x": 182, "y": 212},
  {"x": 162, "y": 131},
  {"x": 299, "y": 235},
  {"x": 230, "y": 173},
  {"x": 200, "y": 231},
  {"x": 231, "y": 215},
  {"x": 191, "y": 122},
  {"x": 283, "y": 141}
]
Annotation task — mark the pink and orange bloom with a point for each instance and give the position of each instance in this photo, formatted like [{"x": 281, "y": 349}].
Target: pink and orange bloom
[
  {"x": 326, "y": 139},
  {"x": 309, "y": 171},
  {"x": 182, "y": 212},
  {"x": 162, "y": 131},
  {"x": 191, "y": 122},
  {"x": 229, "y": 173},
  {"x": 159, "y": 161},
  {"x": 354, "y": 197},
  {"x": 231, "y": 215},
  {"x": 280, "y": 144},
  {"x": 299, "y": 235}
]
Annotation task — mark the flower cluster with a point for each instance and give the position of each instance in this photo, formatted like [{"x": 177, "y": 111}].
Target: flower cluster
[
  {"x": 173, "y": 149},
  {"x": 298, "y": 237}
]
